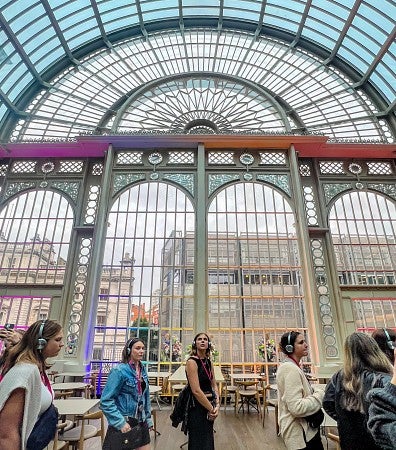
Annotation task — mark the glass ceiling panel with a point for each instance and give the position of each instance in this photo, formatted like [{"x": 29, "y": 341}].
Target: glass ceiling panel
[
  {"x": 320, "y": 98},
  {"x": 27, "y": 25},
  {"x": 117, "y": 14}
]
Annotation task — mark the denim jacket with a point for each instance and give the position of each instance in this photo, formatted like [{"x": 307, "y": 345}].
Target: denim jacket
[{"x": 120, "y": 397}]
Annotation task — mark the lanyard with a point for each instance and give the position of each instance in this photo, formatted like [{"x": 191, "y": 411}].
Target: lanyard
[
  {"x": 47, "y": 383},
  {"x": 138, "y": 375},
  {"x": 208, "y": 373},
  {"x": 295, "y": 362}
]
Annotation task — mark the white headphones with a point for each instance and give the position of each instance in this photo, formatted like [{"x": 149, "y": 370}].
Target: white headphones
[
  {"x": 391, "y": 345},
  {"x": 41, "y": 342},
  {"x": 289, "y": 347}
]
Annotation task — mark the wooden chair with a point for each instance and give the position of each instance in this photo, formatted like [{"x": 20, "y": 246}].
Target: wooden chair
[
  {"x": 335, "y": 438},
  {"x": 246, "y": 392},
  {"x": 77, "y": 435},
  {"x": 176, "y": 388},
  {"x": 92, "y": 380},
  {"x": 56, "y": 444},
  {"x": 268, "y": 401},
  {"x": 63, "y": 394},
  {"x": 227, "y": 389}
]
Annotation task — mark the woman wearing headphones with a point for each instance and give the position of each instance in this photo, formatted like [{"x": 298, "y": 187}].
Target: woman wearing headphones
[
  {"x": 296, "y": 397},
  {"x": 203, "y": 386},
  {"x": 125, "y": 400},
  {"x": 386, "y": 339},
  {"x": 25, "y": 390}
]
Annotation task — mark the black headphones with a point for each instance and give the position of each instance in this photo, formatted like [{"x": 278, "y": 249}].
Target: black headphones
[
  {"x": 130, "y": 344},
  {"x": 194, "y": 342},
  {"x": 389, "y": 342},
  {"x": 289, "y": 347},
  {"x": 41, "y": 342}
]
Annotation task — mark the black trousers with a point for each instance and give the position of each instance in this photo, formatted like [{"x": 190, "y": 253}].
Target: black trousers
[
  {"x": 200, "y": 429},
  {"x": 315, "y": 443}
]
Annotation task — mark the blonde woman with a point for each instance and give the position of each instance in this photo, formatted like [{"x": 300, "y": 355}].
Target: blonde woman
[{"x": 25, "y": 390}]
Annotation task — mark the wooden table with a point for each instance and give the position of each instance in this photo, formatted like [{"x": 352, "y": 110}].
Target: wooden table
[
  {"x": 72, "y": 375},
  {"x": 179, "y": 376},
  {"x": 72, "y": 386},
  {"x": 158, "y": 374},
  {"x": 247, "y": 376},
  {"x": 154, "y": 391},
  {"x": 75, "y": 406}
]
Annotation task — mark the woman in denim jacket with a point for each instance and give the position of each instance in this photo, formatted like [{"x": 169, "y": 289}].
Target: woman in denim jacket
[{"x": 125, "y": 400}]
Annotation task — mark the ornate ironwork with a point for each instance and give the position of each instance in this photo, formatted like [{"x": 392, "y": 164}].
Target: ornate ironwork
[
  {"x": 71, "y": 188},
  {"x": 124, "y": 179},
  {"x": 281, "y": 181},
  {"x": 216, "y": 181},
  {"x": 331, "y": 190},
  {"x": 186, "y": 180}
]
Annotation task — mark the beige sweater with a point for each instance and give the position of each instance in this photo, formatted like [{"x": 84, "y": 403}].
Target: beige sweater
[
  {"x": 296, "y": 401},
  {"x": 25, "y": 376}
]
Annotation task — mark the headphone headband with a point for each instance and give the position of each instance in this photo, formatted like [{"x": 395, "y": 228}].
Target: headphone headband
[{"x": 391, "y": 345}]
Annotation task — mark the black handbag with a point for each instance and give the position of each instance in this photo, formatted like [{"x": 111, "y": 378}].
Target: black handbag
[
  {"x": 315, "y": 420},
  {"x": 116, "y": 440},
  {"x": 44, "y": 429}
]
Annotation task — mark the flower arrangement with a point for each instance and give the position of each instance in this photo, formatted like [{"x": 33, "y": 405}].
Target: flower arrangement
[
  {"x": 166, "y": 348},
  {"x": 266, "y": 349}
]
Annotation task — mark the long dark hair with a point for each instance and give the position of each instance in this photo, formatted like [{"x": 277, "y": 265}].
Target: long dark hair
[
  {"x": 194, "y": 345},
  {"x": 127, "y": 350},
  {"x": 361, "y": 354},
  {"x": 382, "y": 340},
  {"x": 26, "y": 350}
]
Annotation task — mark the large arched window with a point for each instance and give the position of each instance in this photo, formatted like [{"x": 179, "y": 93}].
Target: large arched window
[
  {"x": 35, "y": 232},
  {"x": 363, "y": 228},
  {"x": 147, "y": 275},
  {"x": 255, "y": 290}
]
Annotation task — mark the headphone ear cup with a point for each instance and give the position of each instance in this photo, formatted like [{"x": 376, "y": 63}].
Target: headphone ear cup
[
  {"x": 289, "y": 348},
  {"x": 41, "y": 343},
  {"x": 391, "y": 344}
]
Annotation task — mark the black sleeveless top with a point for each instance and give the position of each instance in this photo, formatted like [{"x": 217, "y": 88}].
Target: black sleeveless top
[{"x": 205, "y": 383}]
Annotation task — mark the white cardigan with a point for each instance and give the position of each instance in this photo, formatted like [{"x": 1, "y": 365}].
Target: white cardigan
[
  {"x": 27, "y": 377},
  {"x": 295, "y": 400}
]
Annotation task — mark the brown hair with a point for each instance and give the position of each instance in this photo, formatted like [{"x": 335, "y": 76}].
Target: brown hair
[
  {"x": 382, "y": 340},
  {"x": 126, "y": 352},
  {"x": 26, "y": 350},
  {"x": 361, "y": 354}
]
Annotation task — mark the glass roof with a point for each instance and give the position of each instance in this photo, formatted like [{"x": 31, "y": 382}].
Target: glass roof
[{"x": 108, "y": 66}]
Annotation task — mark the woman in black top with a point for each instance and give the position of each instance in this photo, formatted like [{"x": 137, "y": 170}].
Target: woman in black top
[
  {"x": 203, "y": 385},
  {"x": 345, "y": 400}
]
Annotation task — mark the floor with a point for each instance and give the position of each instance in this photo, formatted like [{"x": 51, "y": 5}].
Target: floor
[{"x": 233, "y": 432}]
